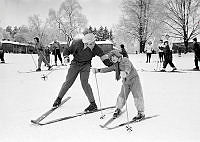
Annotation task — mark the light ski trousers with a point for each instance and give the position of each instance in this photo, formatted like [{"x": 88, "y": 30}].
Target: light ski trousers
[
  {"x": 133, "y": 86},
  {"x": 42, "y": 58}
]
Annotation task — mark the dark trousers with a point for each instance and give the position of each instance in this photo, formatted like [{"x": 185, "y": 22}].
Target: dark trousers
[
  {"x": 161, "y": 55},
  {"x": 57, "y": 53},
  {"x": 196, "y": 60},
  {"x": 2, "y": 56},
  {"x": 72, "y": 74},
  {"x": 168, "y": 60},
  {"x": 148, "y": 57}
]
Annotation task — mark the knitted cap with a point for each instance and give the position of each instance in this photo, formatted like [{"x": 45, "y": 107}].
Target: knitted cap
[
  {"x": 114, "y": 53},
  {"x": 89, "y": 38}
]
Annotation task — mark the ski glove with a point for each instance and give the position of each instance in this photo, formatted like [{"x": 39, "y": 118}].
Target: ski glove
[
  {"x": 123, "y": 74},
  {"x": 66, "y": 60},
  {"x": 95, "y": 70}
]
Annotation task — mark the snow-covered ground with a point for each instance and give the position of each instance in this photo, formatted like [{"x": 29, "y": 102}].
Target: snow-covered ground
[{"x": 174, "y": 97}]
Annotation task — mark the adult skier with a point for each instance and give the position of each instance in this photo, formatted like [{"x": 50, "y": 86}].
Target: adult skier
[{"x": 83, "y": 50}]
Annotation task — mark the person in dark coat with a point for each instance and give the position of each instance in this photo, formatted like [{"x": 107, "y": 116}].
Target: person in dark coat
[
  {"x": 167, "y": 57},
  {"x": 123, "y": 51},
  {"x": 196, "y": 49},
  {"x": 57, "y": 51},
  {"x": 1, "y": 53},
  {"x": 83, "y": 50}
]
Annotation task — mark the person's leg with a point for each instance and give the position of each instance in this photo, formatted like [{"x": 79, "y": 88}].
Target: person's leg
[
  {"x": 59, "y": 56},
  {"x": 149, "y": 57},
  {"x": 84, "y": 76},
  {"x": 55, "y": 55},
  {"x": 160, "y": 56},
  {"x": 196, "y": 62},
  {"x": 70, "y": 78},
  {"x": 123, "y": 95},
  {"x": 39, "y": 61},
  {"x": 137, "y": 92},
  {"x": 44, "y": 59},
  {"x": 1, "y": 56}
]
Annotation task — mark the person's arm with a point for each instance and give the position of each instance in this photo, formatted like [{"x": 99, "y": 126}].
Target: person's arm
[
  {"x": 69, "y": 49},
  {"x": 104, "y": 57},
  {"x": 104, "y": 70}
]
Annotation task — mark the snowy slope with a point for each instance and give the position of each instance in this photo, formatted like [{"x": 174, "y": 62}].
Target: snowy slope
[{"x": 174, "y": 97}]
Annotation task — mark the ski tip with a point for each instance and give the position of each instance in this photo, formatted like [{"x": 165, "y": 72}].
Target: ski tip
[
  {"x": 34, "y": 122},
  {"x": 101, "y": 126}
]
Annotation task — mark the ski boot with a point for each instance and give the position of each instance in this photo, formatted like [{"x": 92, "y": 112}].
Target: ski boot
[
  {"x": 139, "y": 117},
  {"x": 174, "y": 68},
  {"x": 57, "y": 102},
  {"x": 38, "y": 69},
  {"x": 196, "y": 68},
  {"x": 163, "y": 70},
  {"x": 92, "y": 107},
  {"x": 116, "y": 113},
  {"x": 50, "y": 68}
]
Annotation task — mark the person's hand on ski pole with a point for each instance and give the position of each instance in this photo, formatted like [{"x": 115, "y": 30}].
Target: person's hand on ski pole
[
  {"x": 66, "y": 59},
  {"x": 95, "y": 70},
  {"x": 123, "y": 74}
]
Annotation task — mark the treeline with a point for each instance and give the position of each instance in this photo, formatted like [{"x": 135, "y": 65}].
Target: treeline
[{"x": 102, "y": 33}]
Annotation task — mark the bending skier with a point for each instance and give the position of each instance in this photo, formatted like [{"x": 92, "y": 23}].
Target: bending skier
[
  {"x": 130, "y": 83},
  {"x": 83, "y": 51}
]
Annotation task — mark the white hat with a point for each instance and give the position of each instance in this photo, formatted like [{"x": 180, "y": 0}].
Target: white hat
[{"x": 88, "y": 38}]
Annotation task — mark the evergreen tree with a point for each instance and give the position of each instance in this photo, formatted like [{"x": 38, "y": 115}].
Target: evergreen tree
[
  {"x": 100, "y": 33},
  {"x": 105, "y": 34}
]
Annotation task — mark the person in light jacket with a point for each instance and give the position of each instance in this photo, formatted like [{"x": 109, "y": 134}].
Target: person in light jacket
[
  {"x": 130, "y": 83},
  {"x": 148, "y": 50}
]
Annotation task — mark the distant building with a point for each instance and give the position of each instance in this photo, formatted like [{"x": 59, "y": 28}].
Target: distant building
[
  {"x": 106, "y": 46},
  {"x": 16, "y": 47}
]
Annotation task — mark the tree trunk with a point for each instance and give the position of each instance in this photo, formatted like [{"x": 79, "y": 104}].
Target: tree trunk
[
  {"x": 186, "y": 45},
  {"x": 142, "y": 46}
]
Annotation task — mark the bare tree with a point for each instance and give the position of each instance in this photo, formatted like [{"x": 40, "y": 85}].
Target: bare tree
[
  {"x": 182, "y": 18},
  {"x": 68, "y": 19},
  {"x": 38, "y": 27},
  {"x": 138, "y": 20}
]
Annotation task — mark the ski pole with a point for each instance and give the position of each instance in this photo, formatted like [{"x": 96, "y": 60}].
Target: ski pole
[
  {"x": 45, "y": 76},
  {"x": 102, "y": 115},
  {"x": 128, "y": 127},
  {"x": 34, "y": 61}
]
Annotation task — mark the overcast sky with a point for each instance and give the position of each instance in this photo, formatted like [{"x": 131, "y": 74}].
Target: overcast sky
[{"x": 98, "y": 12}]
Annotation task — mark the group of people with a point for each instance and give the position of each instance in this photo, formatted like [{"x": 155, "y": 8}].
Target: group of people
[
  {"x": 44, "y": 53},
  {"x": 164, "y": 52},
  {"x": 83, "y": 50}
]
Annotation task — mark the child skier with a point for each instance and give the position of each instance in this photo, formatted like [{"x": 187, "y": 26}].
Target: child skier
[
  {"x": 167, "y": 57},
  {"x": 124, "y": 69}
]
